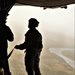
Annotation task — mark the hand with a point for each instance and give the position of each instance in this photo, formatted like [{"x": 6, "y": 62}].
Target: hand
[{"x": 16, "y": 46}]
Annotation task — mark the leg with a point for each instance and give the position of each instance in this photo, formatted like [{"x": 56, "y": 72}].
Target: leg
[
  {"x": 36, "y": 65},
  {"x": 6, "y": 68},
  {"x": 29, "y": 61},
  {"x": 5, "y": 64}
]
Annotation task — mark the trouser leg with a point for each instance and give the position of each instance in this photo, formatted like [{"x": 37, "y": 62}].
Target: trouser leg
[
  {"x": 6, "y": 68},
  {"x": 36, "y": 65},
  {"x": 29, "y": 64}
]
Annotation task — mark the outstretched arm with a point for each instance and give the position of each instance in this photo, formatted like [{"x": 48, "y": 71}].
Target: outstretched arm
[{"x": 21, "y": 46}]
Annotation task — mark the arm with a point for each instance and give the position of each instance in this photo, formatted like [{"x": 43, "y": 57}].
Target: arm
[
  {"x": 21, "y": 46},
  {"x": 9, "y": 34}
]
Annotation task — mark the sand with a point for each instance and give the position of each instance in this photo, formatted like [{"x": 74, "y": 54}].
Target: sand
[
  {"x": 50, "y": 64},
  {"x": 69, "y": 54},
  {"x": 54, "y": 65}
]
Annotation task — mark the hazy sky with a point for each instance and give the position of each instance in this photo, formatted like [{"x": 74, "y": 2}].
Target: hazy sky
[
  {"x": 56, "y": 26},
  {"x": 54, "y": 20}
]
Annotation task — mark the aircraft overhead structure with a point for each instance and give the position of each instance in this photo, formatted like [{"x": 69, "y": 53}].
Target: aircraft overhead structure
[{"x": 6, "y": 5}]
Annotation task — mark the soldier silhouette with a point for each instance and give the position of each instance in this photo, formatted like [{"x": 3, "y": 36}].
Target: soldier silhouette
[
  {"x": 33, "y": 46},
  {"x": 5, "y": 36}
]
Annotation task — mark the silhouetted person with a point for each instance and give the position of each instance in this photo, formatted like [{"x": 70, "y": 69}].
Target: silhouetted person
[
  {"x": 5, "y": 36},
  {"x": 33, "y": 46}
]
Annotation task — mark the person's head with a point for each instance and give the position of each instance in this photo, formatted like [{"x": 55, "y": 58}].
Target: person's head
[
  {"x": 33, "y": 23},
  {"x": 3, "y": 16}
]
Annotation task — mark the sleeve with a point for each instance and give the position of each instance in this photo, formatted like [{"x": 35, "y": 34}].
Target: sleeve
[
  {"x": 29, "y": 40},
  {"x": 40, "y": 45},
  {"x": 9, "y": 34},
  {"x": 21, "y": 46}
]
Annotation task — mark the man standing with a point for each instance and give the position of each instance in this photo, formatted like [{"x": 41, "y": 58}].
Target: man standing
[
  {"x": 5, "y": 36},
  {"x": 33, "y": 46}
]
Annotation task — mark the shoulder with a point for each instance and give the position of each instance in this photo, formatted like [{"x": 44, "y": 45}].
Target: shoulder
[
  {"x": 27, "y": 33},
  {"x": 38, "y": 32},
  {"x": 6, "y": 27}
]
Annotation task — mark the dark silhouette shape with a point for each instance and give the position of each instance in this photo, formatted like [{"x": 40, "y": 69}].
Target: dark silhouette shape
[
  {"x": 33, "y": 46},
  {"x": 5, "y": 36}
]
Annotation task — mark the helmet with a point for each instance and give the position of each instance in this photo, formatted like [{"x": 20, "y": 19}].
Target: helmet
[{"x": 33, "y": 22}]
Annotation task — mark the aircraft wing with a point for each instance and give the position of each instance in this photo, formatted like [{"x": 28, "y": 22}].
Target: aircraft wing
[
  {"x": 7, "y": 4},
  {"x": 46, "y": 3}
]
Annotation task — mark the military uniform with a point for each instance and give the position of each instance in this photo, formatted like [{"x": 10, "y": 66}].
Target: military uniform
[
  {"x": 33, "y": 50},
  {"x": 5, "y": 35},
  {"x": 33, "y": 46}
]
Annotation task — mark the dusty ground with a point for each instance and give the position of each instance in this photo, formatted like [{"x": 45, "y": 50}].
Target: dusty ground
[{"x": 50, "y": 64}]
